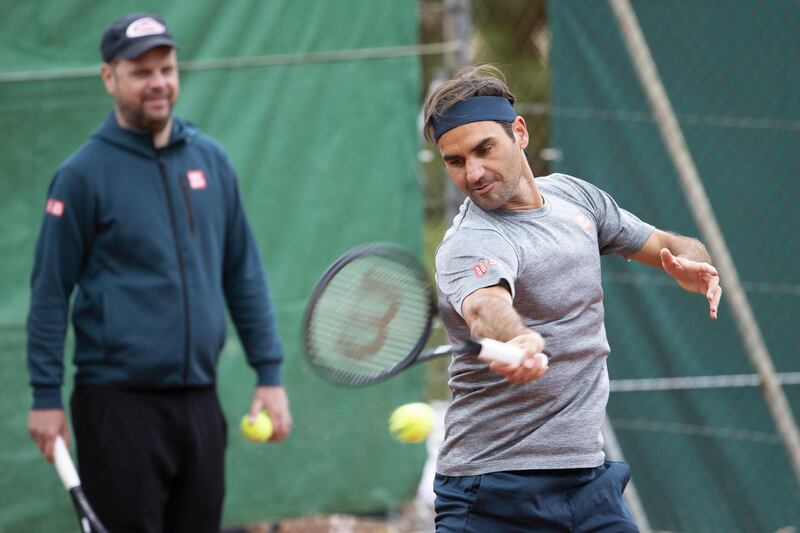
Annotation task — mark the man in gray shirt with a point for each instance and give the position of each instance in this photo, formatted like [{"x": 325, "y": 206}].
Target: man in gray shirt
[{"x": 521, "y": 264}]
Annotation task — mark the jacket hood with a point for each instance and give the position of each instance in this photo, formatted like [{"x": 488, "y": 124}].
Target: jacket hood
[{"x": 141, "y": 141}]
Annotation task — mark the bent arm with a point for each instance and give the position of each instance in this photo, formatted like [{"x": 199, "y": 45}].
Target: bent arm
[
  {"x": 489, "y": 313},
  {"x": 678, "y": 245}
]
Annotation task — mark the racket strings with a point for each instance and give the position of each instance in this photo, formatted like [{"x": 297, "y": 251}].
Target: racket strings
[{"x": 368, "y": 319}]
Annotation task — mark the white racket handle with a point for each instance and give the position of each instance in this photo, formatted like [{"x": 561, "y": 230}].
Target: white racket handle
[
  {"x": 492, "y": 350},
  {"x": 64, "y": 465}
]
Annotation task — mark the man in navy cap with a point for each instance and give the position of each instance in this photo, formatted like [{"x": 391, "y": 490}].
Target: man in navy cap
[{"x": 146, "y": 220}]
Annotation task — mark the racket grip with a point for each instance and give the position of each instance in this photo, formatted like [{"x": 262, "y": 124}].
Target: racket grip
[
  {"x": 492, "y": 350},
  {"x": 64, "y": 465}
]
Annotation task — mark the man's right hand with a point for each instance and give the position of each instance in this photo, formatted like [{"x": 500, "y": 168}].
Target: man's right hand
[
  {"x": 44, "y": 425},
  {"x": 534, "y": 362}
]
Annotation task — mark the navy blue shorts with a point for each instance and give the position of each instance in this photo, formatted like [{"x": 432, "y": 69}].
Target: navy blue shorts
[{"x": 575, "y": 500}]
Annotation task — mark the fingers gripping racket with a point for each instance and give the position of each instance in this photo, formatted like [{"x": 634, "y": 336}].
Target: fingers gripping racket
[
  {"x": 370, "y": 316},
  {"x": 69, "y": 477}
]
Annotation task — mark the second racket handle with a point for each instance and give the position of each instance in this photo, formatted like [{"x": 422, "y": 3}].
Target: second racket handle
[
  {"x": 492, "y": 350},
  {"x": 64, "y": 465}
]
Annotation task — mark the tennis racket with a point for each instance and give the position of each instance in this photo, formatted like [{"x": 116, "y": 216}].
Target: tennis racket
[
  {"x": 370, "y": 316},
  {"x": 69, "y": 477}
]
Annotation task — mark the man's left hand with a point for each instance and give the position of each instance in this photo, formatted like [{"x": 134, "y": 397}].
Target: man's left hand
[
  {"x": 694, "y": 276},
  {"x": 273, "y": 400}
]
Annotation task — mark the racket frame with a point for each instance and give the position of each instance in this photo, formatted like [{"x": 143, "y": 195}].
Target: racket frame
[
  {"x": 392, "y": 252},
  {"x": 485, "y": 349}
]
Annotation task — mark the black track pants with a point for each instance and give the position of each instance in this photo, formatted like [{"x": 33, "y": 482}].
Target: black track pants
[{"x": 151, "y": 461}]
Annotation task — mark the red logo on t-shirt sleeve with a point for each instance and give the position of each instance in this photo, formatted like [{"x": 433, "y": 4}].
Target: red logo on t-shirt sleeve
[
  {"x": 584, "y": 222},
  {"x": 482, "y": 267},
  {"x": 54, "y": 207}
]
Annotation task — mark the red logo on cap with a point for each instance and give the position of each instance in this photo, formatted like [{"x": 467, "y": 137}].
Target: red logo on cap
[
  {"x": 144, "y": 26},
  {"x": 197, "y": 179},
  {"x": 54, "y": 207}
]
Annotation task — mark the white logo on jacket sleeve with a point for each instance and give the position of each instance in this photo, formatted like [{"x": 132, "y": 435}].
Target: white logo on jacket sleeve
[
  {"x": 197, "y": 179},
  {"x": 54, "y": 207},
  {"x": 144, "y": 26}
]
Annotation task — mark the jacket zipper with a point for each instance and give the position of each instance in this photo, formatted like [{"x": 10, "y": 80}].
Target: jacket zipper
[
  {"x": 181, "y": 269},
  {"x": 187, "y": 200}
]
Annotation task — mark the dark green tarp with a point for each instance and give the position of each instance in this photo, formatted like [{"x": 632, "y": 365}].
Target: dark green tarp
[{"x": 324, "y": 141}]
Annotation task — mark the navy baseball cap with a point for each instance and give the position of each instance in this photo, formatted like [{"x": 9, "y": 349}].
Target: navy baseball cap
[{"x": 132, "y": 35}]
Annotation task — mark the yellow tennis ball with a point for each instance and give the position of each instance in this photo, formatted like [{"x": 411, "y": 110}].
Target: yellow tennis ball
[
  {"x": 411, "y": 422},
  {"x": 260, "y": 430}
]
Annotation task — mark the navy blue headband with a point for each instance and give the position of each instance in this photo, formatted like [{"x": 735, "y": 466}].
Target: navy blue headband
[{"x": 475, "y": 109}]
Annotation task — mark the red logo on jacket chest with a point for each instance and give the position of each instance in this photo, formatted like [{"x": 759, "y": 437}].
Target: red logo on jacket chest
[{"x": 197, "y": 179}]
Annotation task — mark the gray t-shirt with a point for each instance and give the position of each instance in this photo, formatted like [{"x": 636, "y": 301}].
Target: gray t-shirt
[{"x": 550, "y": 258}]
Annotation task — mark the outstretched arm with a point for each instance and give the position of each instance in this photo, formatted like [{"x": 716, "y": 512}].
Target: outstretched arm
[
  {"x": 489, "y": 313},
  {"x": 686, "y": 260}
]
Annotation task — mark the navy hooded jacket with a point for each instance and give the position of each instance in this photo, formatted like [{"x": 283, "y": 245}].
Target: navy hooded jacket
[{"x": 156, "y": 241}]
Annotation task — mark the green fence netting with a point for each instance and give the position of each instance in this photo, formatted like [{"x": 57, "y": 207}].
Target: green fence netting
[{"x": 703, "y": 459}]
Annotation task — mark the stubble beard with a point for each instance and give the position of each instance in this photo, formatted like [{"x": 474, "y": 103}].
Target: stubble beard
[
  {"x": 139, "y": 119},
  {"x": 504, "y": 192}
]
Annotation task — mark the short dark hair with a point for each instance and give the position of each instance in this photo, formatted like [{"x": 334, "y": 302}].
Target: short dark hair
[{"x": 481, "y": 80}]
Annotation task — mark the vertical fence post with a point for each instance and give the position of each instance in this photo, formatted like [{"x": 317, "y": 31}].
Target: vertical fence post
[
  {"x": 457, "y": 27},
  {"x": 614, "y": 453}
]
